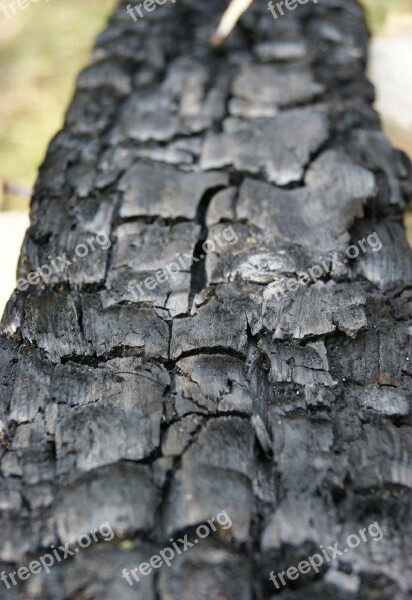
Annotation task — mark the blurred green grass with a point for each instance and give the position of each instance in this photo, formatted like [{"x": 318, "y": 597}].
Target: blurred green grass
[
  {"x": 378, "y": 10},
  {"x": 42, "y": 50}
]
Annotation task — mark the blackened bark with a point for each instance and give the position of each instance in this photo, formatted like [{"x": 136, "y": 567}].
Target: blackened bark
[{"x": 210, "y": 392}]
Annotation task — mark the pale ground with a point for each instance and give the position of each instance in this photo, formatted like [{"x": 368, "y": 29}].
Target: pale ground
[
  {"x": 391, "y": 72},
  {"x": 390, "y": 69},
  {"x": 12, "y": 228}
]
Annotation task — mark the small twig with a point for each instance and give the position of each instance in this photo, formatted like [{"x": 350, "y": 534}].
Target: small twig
[
  {"x": 228, "y": 22},
  {"x": 15, "y": 190}
]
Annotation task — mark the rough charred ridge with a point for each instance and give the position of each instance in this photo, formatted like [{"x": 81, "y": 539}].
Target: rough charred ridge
[{"x": 210, "y": 391}]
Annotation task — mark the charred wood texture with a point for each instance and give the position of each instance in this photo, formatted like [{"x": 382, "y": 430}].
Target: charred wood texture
[{"x": 211, "y": 392}]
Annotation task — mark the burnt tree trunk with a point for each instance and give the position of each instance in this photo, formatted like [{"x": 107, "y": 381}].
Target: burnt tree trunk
[{"x": 209, "y": 391}]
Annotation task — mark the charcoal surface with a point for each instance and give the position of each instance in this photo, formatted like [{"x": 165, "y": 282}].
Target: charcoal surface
[{"x": 153, "y": 403}]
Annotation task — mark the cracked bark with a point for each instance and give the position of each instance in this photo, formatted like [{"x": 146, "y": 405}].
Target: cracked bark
[{"x": 210, "y": 393}]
